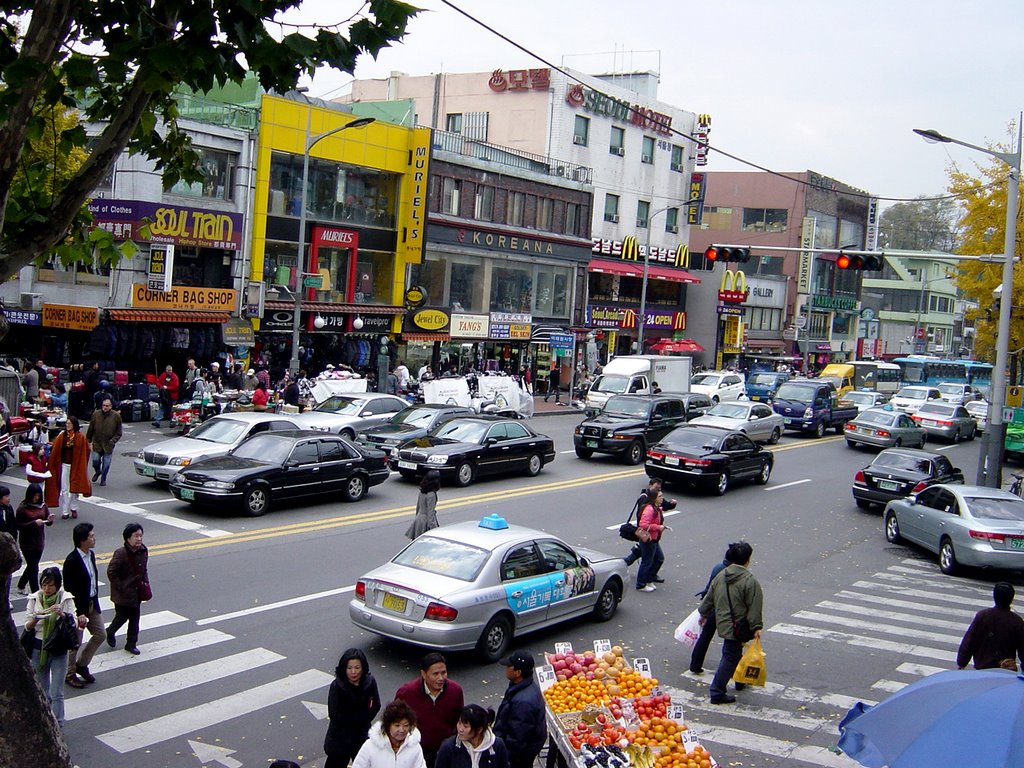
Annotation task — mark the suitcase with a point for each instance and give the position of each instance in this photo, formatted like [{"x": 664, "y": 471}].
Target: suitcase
[
  {"x": 120, "y": 378},
  {"x": 154, "y": 411},
  {"x": 126, "y": 411},
  {"x": 137, "y": 410},
  {"x": 141, "y": 391}
]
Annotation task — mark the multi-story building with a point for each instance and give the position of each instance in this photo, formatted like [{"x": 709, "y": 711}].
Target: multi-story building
[
  {"x": 613, "y": 127},
  {"x": 795, "y": 305}
]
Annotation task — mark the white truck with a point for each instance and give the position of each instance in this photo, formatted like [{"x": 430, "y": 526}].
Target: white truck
[{"x": 637, "y": 374}]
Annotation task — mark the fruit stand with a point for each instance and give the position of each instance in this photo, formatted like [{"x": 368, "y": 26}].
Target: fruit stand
[{"x": 603, "y": 712}]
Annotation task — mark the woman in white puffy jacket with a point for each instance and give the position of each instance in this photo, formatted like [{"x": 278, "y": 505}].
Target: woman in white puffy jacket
[{"x": 394, "y": 742}]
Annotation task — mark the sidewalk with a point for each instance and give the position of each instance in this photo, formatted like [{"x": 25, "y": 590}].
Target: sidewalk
[{"x": 551, "y": 408}]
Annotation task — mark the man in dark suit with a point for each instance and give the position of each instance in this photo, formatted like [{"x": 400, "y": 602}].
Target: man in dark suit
[{"x": 81, "y": 579}]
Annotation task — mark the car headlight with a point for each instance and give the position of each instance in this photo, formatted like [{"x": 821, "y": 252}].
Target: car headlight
[
  {"x": 394, "y": 453},
  {"x": 177, "y": 478},
  {"x": 437, "y": 459},
  {"x": 393, "y": 441},
  {"x": 578, "y": 430},
  {"x": 808, "y": 413},
  {"x": 218, "y": 485},
  {"x": 609, "y": 433},
  {"x": 180, "y": 461}
]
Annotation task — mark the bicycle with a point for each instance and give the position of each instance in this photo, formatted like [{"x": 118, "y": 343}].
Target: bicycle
[{"x": 1017, "y": 486}]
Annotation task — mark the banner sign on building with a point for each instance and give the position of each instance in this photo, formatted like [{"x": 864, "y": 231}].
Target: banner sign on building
[
  {"x": 176, "y": 224},
  {"x": 871, "y": 233},
  {"x": 580, "y": 96},
  {"x": 733, "y": 289},
  {"x": 630, "y": 249},
  {"x": 511, "y": 325},
  {"x": 470, "y": 326},
  {"x": 161, "y": 267},
  {"x": 698, "y": 187},
  {"x": 806, "y": 263},
  {"x": 185, "y": 297},
  {"x": 655, "y": 320},
  {"x": 413, "y": 208},
  {"x": 70, "y": 317},
  {"x": 429, "y": 319},
  {"x": 23, "y": 316},
  {"x": 519, "y": 80},
  {"x": 703, "y": 130}
]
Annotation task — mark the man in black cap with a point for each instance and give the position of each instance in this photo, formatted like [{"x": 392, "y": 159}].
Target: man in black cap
[
  {"x": 520, "y": 718},
  {"x": 996, "y": 634}
]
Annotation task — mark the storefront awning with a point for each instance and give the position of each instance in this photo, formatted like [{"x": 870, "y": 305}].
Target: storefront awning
[
  {"x": 425, "y": 337},
  {"x": 627, "y": 268},
  {"x": 676, "y": 345},
  {"x": 665, "y": 273},
  {"x": 167, "y": 316},
  {"x": 327, "y": 306}
]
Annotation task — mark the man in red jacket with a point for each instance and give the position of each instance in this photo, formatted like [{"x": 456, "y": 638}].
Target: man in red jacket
[
  {"x": 437, "y": 702},
  {"x": 168, "y": 384}
]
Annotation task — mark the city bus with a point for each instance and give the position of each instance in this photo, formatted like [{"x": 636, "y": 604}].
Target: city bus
[
  {"x": 932, "y": 371},
  {"x": 876, "y": 376}
]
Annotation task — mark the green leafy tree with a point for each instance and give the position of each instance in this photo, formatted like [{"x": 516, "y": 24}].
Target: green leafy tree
[
  {"x": 920, "y": 225},
  {"x": 119, "y": 64}
]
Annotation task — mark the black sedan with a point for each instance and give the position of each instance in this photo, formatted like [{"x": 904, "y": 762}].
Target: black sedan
[
  {"x": 414, "y": 421},
  {"x": 899, "y": 472},
  {"x": 279, "y": 466},
  {"x": 464, "y": 448},
  {"x": 710, "y": 457}
]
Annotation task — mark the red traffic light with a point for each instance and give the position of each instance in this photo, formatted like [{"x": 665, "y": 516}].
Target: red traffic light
[
  {"x": 849, "y": 262},
  {"x": 711, "y": 253}
]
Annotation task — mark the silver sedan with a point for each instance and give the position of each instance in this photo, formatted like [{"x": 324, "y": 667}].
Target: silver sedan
[
  {"x": 946, "y": 420},
  {"x": 884, "y": 428},
  {"x": 480, "y": 584},
  {"x": 964, "y": 524},
  {"x": 756, "y": 420}
]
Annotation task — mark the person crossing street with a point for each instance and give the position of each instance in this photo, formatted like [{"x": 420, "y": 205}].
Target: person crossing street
[{"x": 103, "y": 432}]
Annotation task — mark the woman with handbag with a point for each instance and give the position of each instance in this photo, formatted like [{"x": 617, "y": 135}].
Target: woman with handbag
[
  {"x": 46, "y": 608},
  {"x": 648, "y": 533},
  {"x": 31, "y": 516},
  {"x": 128, "y": 575}
]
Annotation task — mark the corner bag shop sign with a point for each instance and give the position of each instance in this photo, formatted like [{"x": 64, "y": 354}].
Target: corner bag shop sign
[
  {"x": 175, "y": 224},
  {"x": 185, "y": 297}
]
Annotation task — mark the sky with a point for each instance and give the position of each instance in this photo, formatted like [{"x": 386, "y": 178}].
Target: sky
[{"x": 792, "y": 85}]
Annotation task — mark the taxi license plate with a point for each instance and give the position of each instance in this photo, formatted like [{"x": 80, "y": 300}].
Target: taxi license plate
[
  {"x": 672, "y": 461},
  {"x": 149, "y": 471},
  {"x": 789, "y": 420},
  {"x": 187, "y": 494},
  {"x": 927, "y": 423},
  {"x": 590, "y": 443},
  {"x": 1017, "y": 543},
  {"x": 406, "y": 465},
  {"x": 888, "y": 485},
  {"x": 394, "y": 603}
]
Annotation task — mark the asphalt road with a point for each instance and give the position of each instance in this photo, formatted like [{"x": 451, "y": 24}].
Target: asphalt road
[{"x": 250, "y": 615}]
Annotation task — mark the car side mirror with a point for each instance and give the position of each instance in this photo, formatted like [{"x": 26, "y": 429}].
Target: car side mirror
[
  {"x": 490, "y": 441},
  {"x": 584, "y": 563}
]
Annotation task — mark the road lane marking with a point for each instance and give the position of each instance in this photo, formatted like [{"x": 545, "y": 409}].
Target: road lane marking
[
  {"x": 973, "y": 584},
  {"x": 910, "y": 590},
  {"x": 147, "y": 621},
  {"x": 862, "y": 610},
  {"x": 787, "y": 485},
  {"x": 873, "y": 626},
  {"x": 212, "y": 713},
  {"x": 752, "y": 711},
  {"x": 171, "y": 500},
  {"x": 105, "y": 662},
  {"x": 861, "y": 641},
  {"x": 945, "y": 610},
  {"x": 151, "y": 687},
  {"x": 793, "y": 693},
  {"x": 155, "y": 517},
  {"x": 922, "y": 670},
  {"x": 788, "y": 750},
  {"x": 274, "y": 606},
  {"x": 890, "y": 686}
]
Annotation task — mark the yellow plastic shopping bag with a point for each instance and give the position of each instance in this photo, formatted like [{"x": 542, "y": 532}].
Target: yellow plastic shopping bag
[{"x": 751, "y": 669}]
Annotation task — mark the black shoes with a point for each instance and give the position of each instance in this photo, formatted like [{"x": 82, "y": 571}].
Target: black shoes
[
  {"x": 724, "y": 700},
  {"x": 656, "y": 580},
  {"x": 697, "y": 671},
  {"x": 83, "y": 672},
  {"x": 95, "y": 476},
  {"x": 135, "y": 652},
  {"x": 111, "y": 640},
  {"x": 740, "y": 686}
]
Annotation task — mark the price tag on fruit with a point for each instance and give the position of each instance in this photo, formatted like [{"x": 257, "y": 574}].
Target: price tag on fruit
[
  {"x": 563, "y": 647},
  {"x": 602, "y": 646},
  {"x": 642, "y": 667},
  {"x": 675, "y": 712},
  {"x": 545, "y": 676},
  {"x": 689, "y": 741}
]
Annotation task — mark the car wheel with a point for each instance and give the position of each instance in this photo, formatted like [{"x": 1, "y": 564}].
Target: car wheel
[
  {"x": 947, "y": 557},
  {"x": 495, "y": 640},
  {"x": 764, "y": 474},
  {"x": 723, "y": 484},
  {"x": 714, "y": 399},
  {"x": 819, "y": 429},
  {"x": 862, "y": 504},
  {"x": 956, "y": 437},
  {"x": 607, "y": 601},
  {"x": 892, "y": 529},
  {"x": 635, "y": 453},
  {"x": 584, "y": 453},
  {"x": 973, "y": 434},
  {"x": 774, "y": 438},
  {"x": 465, "y": 474},
  {"x": 355, "y": 488},
  {"x": 256, "y": 500},
  {"x": 348, "y": 434},
  {"x": 534, "y": 465},
  {"x": 898, "y": 442}
]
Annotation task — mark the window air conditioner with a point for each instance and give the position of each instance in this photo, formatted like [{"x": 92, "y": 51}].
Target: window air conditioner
[
  {"x": 614, "y": 218},
  {"x": 646, "y": 158},
  {"x": 32, "y": 301},
  {"x": 673, "y": 230},
  {"x": 620, "y": 151},
  {"x": 580, "y": 140},
  {"x": 677, "y": 167}
]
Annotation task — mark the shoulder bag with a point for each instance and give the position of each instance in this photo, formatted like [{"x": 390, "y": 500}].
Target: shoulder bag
[
  {"x": 628, "y": 530},
  {"x": 28, "y": 641},
  {"x": 740, "y": 627},
  {"x": 145, "y": 590},
  {"x": 64, "y": 636}
]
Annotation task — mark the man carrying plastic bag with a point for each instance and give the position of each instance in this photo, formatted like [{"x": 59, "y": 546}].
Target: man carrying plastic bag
[{"x": 751, "y": 669}]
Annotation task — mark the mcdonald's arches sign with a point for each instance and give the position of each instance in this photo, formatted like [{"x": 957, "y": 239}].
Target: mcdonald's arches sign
[
  {"x": 627, "y": 319},
  {"x": 733, "y": 289}
]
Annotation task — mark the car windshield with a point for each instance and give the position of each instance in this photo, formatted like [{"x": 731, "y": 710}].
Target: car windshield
[
  {"x": 987, "y": 508},
  {"x": 415, "y": 417},
  {"x": 462, "y": 431},
  {"x": 836, "y": 381},
  {"x": 913, "y": 393},
  {"x": 763, "y": 379},
  {"x": 729, "y": 411},
  {"x": 265, "y": 448},
  {"x": 939, "y": 409},
  {"x": 902, "y": 461},
  {"x": 627, "y": 406},
  {"x": 341, "y": 404},
  {"x": 802, "y": 393},
  {"x": 443, "y": 557},
  {"x": 609, "y": 382},
  {"x": 690, "y": 438},
  {"x": 223, "y": 431},
  {"x": 706, "y": 379},
  {"x": 951, "y": 389},
  {"x": 977, "y": 407},
  {"x": 878, "y": 418},
  {"x": 859, "y": 398}
]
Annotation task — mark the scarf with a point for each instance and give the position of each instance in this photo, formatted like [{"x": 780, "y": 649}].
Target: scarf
[{"x": 45, "y": 626}]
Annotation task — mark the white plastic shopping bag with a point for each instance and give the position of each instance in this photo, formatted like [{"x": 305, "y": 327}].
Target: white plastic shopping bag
[{"x": 689, "y": 629}]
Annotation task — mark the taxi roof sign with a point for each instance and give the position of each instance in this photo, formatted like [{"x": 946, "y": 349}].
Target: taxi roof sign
[{"x": 494, "y": 522}]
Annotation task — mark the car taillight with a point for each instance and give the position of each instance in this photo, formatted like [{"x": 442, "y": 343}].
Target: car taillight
[
  {"x": 916, "y": 417},
  {"x": 944, "y": 423},
  {"x": 881, "y": 433},
  {"x": 697, "y": 462},
  {"x": 988, "y": 536},
  {"x": 656, "y": 455},
  {"x": 361, "y": 591},
  {"x": 859, "y": 478},
  {"x": 440, "y": 612},
  {"x": 920, "y": 487}
]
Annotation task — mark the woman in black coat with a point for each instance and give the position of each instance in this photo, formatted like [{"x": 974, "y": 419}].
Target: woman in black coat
[{"x": 352, "y": 703}]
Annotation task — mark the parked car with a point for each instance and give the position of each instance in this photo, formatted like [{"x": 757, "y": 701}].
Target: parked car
[
  {"x": 465, "y": 448},
  {"x": 718, "y": 385},
  {"x": 709, "y": 457},
  {"x": 945, "y": 420},
  {"x": 966, "y": 525},
  {"x": 809, "y": 405},
  {"x": 909, "y": 399},
  {"x": 979, "y": 411},
  {"x": 214, "y": 437},
  {"x": 480, "y": 585},
  {"x": 959, "y": 394},
  {"x": 756, "y": 420},
  {"x": 630, "y": 423},
  {"x": 347, "y": 414},
  {"x": 762, "y": 385},
  {"x": 279, "y": 466},
  {"x": 410, "y": 422},
  {"x": 884, "y": 428},
  {"x": 898, "y": 472},
  {"x": 864, "y": 399}
]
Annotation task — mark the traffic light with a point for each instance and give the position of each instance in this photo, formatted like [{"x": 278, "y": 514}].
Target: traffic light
[
  {"x": 859, "y": 263},
  {"x": 715, "y": 253}
]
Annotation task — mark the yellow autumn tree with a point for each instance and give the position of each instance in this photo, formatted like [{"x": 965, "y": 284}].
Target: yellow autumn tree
[{"x": 983, "y": 231}]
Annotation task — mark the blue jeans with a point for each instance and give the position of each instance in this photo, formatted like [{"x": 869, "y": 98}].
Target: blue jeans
[
  {"x": 101, "y": 463},
  {"x": 651, "y": 560},
  {"x": 732, "y": 652},
  {"x": 51, "y": 680}
]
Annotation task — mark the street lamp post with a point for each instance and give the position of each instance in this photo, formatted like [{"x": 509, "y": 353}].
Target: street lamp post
[
  {"x": 647, "y": 260},
  {"x": 310, "y": 142},
  {"x": 990, "y": 461}
]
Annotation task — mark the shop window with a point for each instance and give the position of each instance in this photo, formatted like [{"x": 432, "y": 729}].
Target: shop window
[
  {"x": 677, "y": 158},
  {"x": 611, "y": 208},
  {"x": 545, "y": 206},
  {"x": 581, "y": 131},
  {"x": 552, "y": 292},
  {"x": 453, "y": 122},
  {"x": 515, "y": 209},
  {"x": 765, "y": 219},
  {"x": 643, "y": 212},
  {"x": 716, "y": 217},
  {"x": 374, "y": 277},
  {"x": 279, "y": 264},
  {"x": 465, "y": 291},
  {"x": 617, "y": 141},
  {"x": 451, "y": 190},
  {"x": 672, "y": 221},
  {"x": 601, "y": 287},
  {"x": 483, "y": 209},
  {"x": 334, "y": 265},
  {"x": 647, "y": 153},
  {"x": 512, "y": 289},
  {"x": 218, "y": 182},
  {"x": 573, "y": 218},
  {"x": 824, "y": 229}
]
